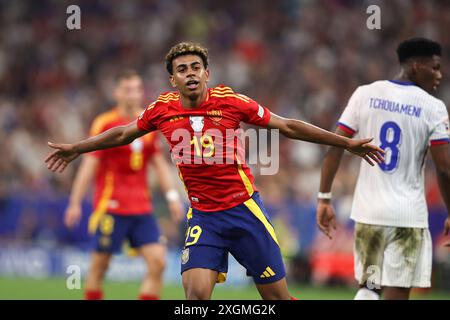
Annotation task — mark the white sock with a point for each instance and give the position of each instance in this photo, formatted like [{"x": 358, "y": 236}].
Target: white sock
[{"x": 366, "y": 294}]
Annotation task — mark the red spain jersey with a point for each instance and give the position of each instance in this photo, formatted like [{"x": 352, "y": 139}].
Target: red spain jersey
[
  {"x": 121, "y": 185},
  {"x": 199, "y": 136}
]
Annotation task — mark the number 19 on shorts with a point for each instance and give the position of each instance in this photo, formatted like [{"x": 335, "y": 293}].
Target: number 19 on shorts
[{"x": 194, "y": 234}]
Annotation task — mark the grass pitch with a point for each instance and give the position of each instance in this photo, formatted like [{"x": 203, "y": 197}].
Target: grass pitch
[{"x": 55, "y": 289}]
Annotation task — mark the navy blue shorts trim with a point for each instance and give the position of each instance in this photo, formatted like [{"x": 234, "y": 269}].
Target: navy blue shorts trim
[{"x": 114, "y": 229}]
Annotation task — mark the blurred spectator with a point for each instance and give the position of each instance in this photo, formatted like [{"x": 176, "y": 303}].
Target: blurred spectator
[{"x": 301, "y": 58}]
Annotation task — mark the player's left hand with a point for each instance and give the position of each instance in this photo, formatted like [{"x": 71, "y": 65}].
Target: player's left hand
[
  {"x": 369, "y": 152},
  {"x": 325, "y": 217},
  {"x": 176, "y": 210}
]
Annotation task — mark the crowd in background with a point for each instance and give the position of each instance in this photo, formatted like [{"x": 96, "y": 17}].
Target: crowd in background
[{"x": 300, "y": 58}]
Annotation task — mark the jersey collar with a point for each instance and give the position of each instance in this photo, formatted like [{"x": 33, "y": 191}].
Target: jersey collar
[
  {"x": 201, "y": 105},
  {"x": 402, "y": 83}
]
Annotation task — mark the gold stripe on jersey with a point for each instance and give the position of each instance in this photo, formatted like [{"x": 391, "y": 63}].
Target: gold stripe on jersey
[
  {"x": 102, "y": 206},
  {"x": 168, "y": 95},
  {"x": 256, "y": 210},
  {"x": 168, "y": 100},
  {"x": 222, "y": 92},
  {"x": 247, "y": 183},
  {"x": 222, "y": 89},
  {"x": 227, "y": 95},
  {"x": 172, "y": 98},
  {"x": 243, "y": 96},
  {"x": 229, "y": 91}
]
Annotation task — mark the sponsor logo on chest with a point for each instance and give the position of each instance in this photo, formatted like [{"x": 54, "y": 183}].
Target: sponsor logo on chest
[{"x": 215, "y": 115}]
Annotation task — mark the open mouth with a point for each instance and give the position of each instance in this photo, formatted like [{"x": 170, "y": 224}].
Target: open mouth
[{"x": 192, "y": 84}]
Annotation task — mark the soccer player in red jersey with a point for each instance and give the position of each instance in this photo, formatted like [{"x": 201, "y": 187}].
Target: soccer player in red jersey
[
  {"x": 122, "y": 198},
  {"x": 226, "y": 214}
]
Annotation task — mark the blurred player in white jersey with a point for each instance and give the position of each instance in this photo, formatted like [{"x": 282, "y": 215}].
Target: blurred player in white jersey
[{"x": 392, "y": 245}]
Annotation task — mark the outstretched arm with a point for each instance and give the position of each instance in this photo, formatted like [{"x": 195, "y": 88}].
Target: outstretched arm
[
  {"x": 299, "y": 130},
  {"x": 114, "y": 137},
  {"x": 441, "y": 158}
]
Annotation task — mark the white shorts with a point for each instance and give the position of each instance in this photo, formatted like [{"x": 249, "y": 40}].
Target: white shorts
[{"x": 392, "y": 256}]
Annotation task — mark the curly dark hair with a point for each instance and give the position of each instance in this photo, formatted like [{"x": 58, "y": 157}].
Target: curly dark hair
[
  {"x": 417, "y": 48},
  {"x": 185, "y": 48}
]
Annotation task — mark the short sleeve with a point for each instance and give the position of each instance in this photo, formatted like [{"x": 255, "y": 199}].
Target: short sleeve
[
  {"x": 253, "y": 113},
  {"x": 349, "y": 120},
  {"x": 147, "y": 120},
  {"x": 440, "y": 126}
]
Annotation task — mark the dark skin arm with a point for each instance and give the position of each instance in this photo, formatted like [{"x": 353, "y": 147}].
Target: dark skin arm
[
  {"x": 294, "y": 129},
  {"x": 338, "y": 141},
  {"x": 114, "y": 137},
  {"x": 299, "y": 130},
  {"x": 441, "y": 159},
  {"x": 325, "y": 215}
]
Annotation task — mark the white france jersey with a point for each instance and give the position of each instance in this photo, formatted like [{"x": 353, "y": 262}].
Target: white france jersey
[{"x": 404, "y": 120}]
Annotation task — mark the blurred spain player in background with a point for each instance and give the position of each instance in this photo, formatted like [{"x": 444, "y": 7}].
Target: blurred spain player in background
[
  {"x": 122, "y": 197},
  {"x": 226, "y": 214},
  {"x": 389, "y": 205}
]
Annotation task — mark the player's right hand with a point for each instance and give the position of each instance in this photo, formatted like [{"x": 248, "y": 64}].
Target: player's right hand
[
  {"x": 61, "y": 157},
  {"x": 72, "y": 216},
  {"x": 325, "y": 217}
]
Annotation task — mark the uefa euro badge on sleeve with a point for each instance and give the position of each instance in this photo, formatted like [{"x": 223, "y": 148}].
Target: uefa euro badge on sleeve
[
  {"x": 260, "y": 111},
  {"x": 197, "y": 123},
  {"x": 185, "y": 256}
]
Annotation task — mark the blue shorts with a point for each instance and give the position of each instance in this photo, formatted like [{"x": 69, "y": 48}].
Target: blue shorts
[
  {"x": 244, "y": 231},
  {"x": 114, "y": 229}
]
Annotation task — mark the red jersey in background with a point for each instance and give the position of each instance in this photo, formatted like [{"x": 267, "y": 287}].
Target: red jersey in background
[{"x": 121, "y": 185}]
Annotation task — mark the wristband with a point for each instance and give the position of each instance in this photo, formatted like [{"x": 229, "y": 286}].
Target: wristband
[
  {"x": 172, "y": 195},
  {"x": 324, "y": 195}
]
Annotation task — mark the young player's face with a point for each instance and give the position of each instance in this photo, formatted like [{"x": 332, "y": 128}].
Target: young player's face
[
  {"x": 189, "y": 75},
  {"x": 428, "y": 73},
  {"x": 130, "y": 92}
]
